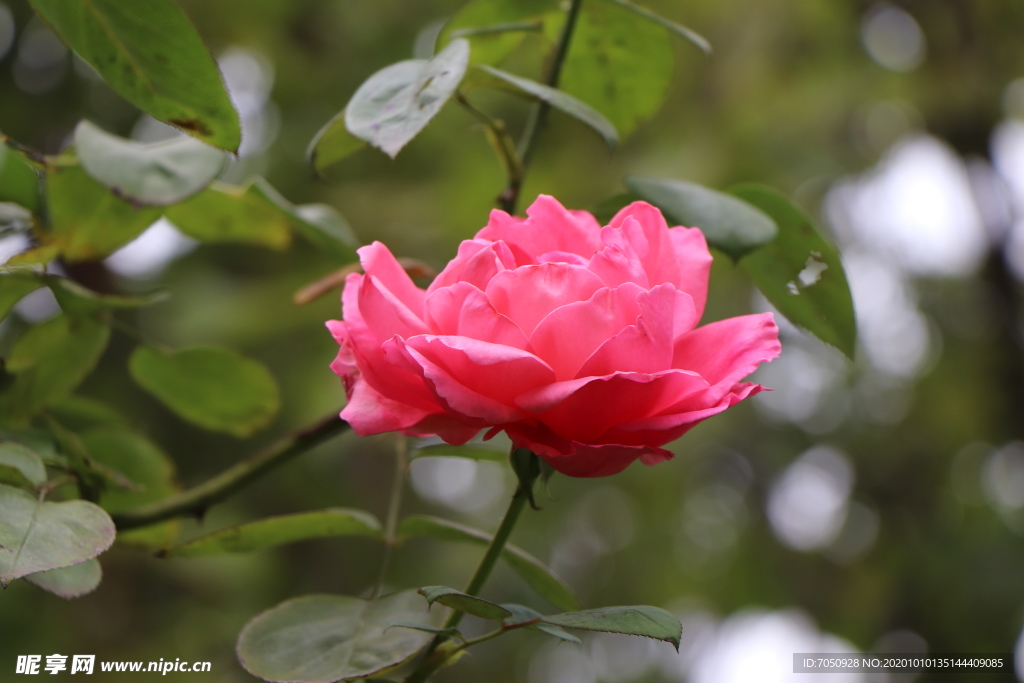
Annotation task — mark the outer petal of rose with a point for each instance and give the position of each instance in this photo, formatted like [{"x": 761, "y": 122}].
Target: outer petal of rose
[
  {"x": 601, "y": 461},
  {"x": 694, "y": 263},
  {"x": 588, "y": 323},
  {"x": 474, "y": 378},
  {"x": 369, "y": 412},
  {"x": 726, "y": 351},
  {"x": 584, "y": 409},
  {"x": 528, "y": 294},
  {"x": 463, "y": 310},
  {"x": 643, "y": 347},
  {"x": 550, "y": 227},
  {"x": 452, "y": 429},
  {"x": 384, "y": 314},
  {"x": 477, "y": 262},
  {"x": 379, "y": 262},
  {"x": 677, "y": 420}
]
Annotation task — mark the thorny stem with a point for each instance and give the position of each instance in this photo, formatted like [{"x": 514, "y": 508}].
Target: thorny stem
[
  {"x": 428, "y": 664},
  {"x": 539, "y": 113},
  {"x": 395, "y": 504},
  {"x": 196, "y": 500}
]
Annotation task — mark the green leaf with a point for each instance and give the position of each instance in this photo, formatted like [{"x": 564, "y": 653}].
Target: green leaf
[
  {"x": 35, "y": 536},
  {"x": 479, "y": 19},
  {"x": 320, "y": 224},
  {"x": 213, "y": 387},
  {"x": 619, "y": 63},
  {"x": 81, "y": 413},
  {"x": 14, "y": 286},
  {"x": 437, "y": 631},
  {"x": 638, "y": 620},
  {"x": 527, "y": 615},
  {"x": 324, "y": 638},
  {"x": 74, "y": 299},
  {"x": 495, "y": 450},
  {"x": 800, "y": 273},
  {"x": 157, "y": 174},
  {"x": 563, "y": 102},
  {"x": 680, "y": 30},
  {"x": 150, "y": 470},
  {"x": 225, "y": 214},
  {"x": 395, "y": 104},
  {"x": 275, "y": 531},
  {"x": 69, "y": 582},
  {"x": 23, "y": 461},
  {"x": 87, "y": 221},
  {"x": 36, "y": 256},
  {"x": 332, "y": 143},
  {"x": 151, "y": 55},
  {"x": 729, "y": 224},
  {"x": 49, "y": 360},
  {"x": 469, "y": 604},
  {"x": 19, "y": 181},
  {"x": 530, "y": 569}
]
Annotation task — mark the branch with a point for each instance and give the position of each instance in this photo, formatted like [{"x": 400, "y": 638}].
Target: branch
[
  {"x": 539, "y": 113},
  {"x": 196, "y": 500}
]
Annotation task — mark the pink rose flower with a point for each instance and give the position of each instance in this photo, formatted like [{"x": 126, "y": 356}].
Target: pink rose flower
[{"x": 580, "y": 342}]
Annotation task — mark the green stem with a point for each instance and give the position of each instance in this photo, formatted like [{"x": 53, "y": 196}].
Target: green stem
[
  {"x": 395, "y": 504},
  {"x": 196, "y": 500},
  {"x": 429, "y": 664},
  {"x": 504, "y": 146},
  {"x": 539, "y": 113}
]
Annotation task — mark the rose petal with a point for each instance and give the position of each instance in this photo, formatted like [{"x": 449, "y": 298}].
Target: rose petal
[
  {"x": 384, "y": 314},
  {"x": 645, "y": 346},
  {"x": 370, "y": 412},
  {"x": 694, "y": 264},
  {"x": 577, "y": 459},
  {"x": 475, "y": 378},
  {"x": 726, "y": 351},
  {"x": 676, "y": 420},
  {"x": 477, "y": 262},
  {"x": 549, "y": 227},
  {"x": 617, "y": 262},
  {"x": 591, "y": 322},
  {"x": 463, "y": 310},
  {"x": 379, "y": 262},
  {"x": 584, "y": 409},
  {"x": 528, "y": 294}
]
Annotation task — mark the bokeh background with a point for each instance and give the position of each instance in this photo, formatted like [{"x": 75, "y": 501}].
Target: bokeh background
[{"x": 868, "y": 506}]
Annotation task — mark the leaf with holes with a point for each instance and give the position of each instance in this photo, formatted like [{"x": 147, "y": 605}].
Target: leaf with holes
[
  {"x": 395, "y": 104},
  {"x": 637, "y": 620},
  {"x": 729, "y": 224},
  {"x": 151, "y": 55},
  {"x": 530, "y": 569},
  {"x": 69, "y": 582},
  {"x": 324, "y": 638},
  {"x": 87, "y": 221},
  {"x": 213, "y": 387},
  {"x": 275, "y": 531},
  {"x": 561, "y": 101},
  {"x": 156, "y": 174},
  {"x": 38, "y": 536},
  {"x": 800, "y": 273}
]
